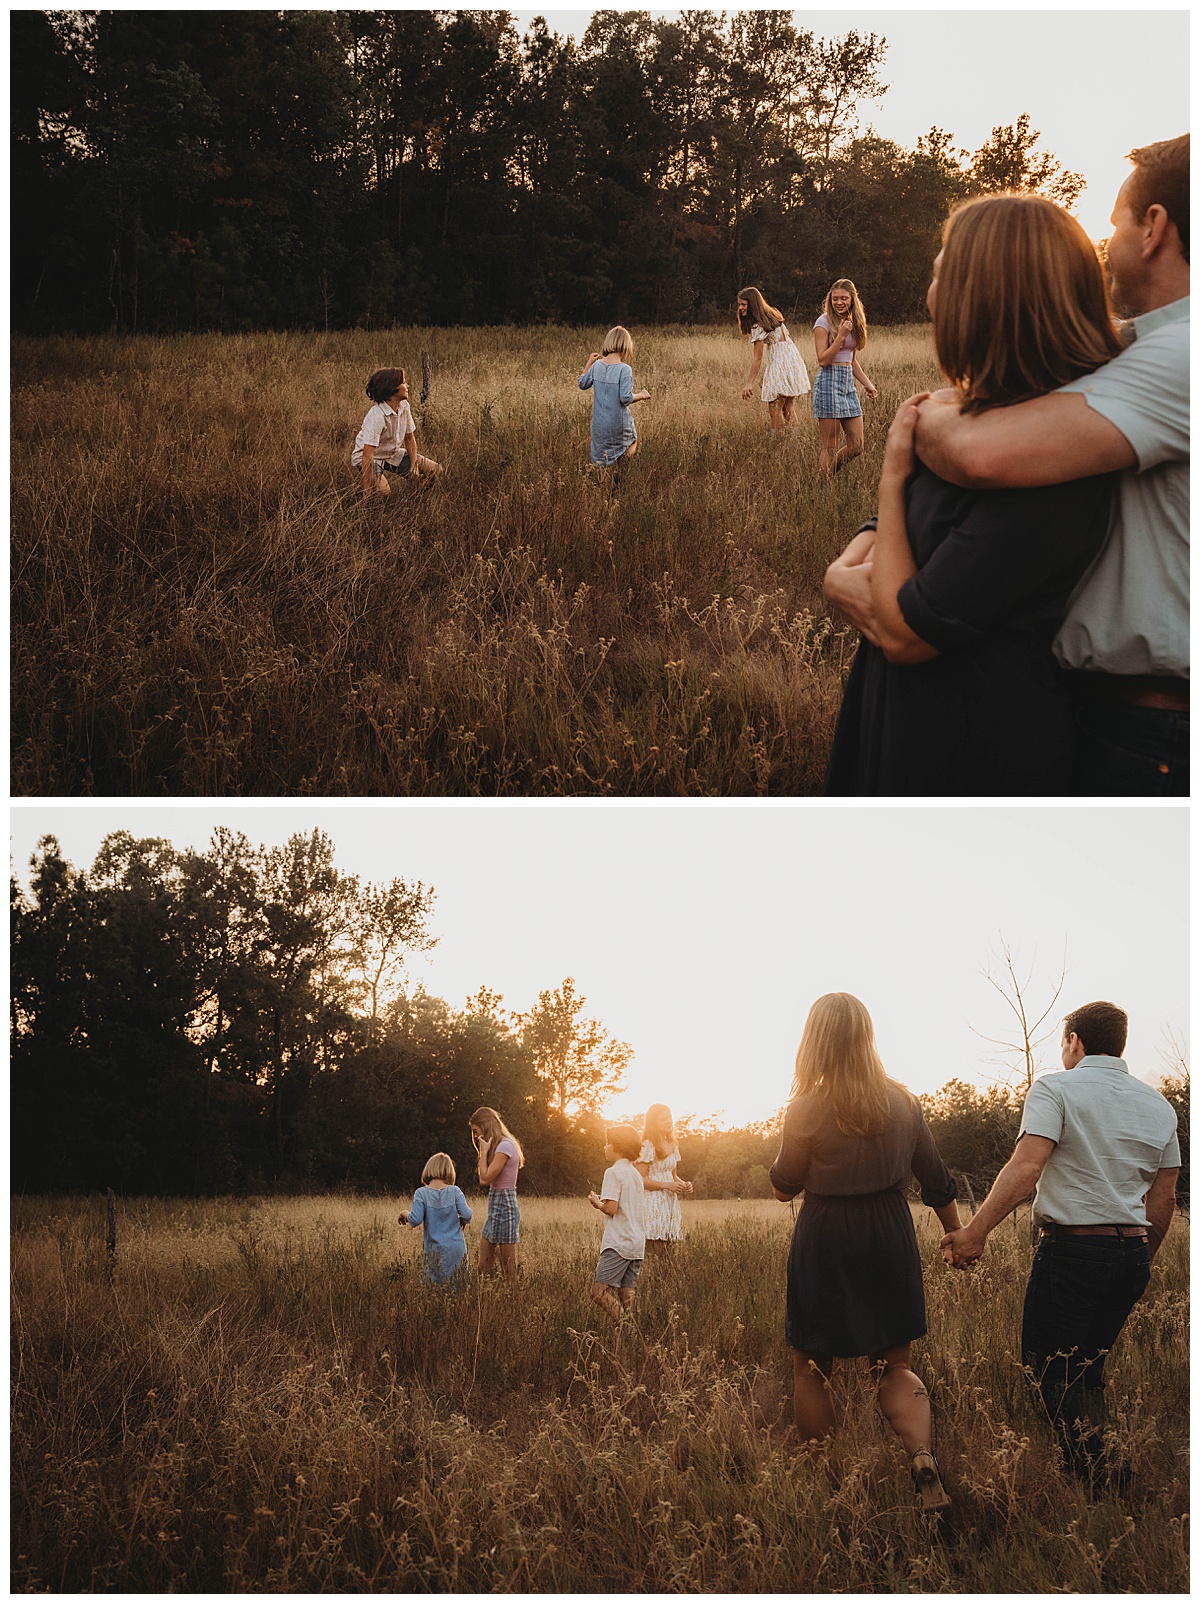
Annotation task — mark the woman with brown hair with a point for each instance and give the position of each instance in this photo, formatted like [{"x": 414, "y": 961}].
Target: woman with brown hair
[
  {"x": 851, "y": 1140},
  {"x": 954, "y": 691},
  {"x": 784, "y": 375}
]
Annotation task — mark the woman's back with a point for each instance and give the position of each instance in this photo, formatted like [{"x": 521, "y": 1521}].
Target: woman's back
[{"x": 824, "y": 1160}]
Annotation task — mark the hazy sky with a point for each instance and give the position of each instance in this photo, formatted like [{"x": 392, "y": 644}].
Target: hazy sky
[
  {"x": 1096, "y": 83},
  {"x": 701, "y": 934}
]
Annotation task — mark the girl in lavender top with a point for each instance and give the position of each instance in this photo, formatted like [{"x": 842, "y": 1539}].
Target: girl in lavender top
[
  {"x": 840, "y": 333},
  {"x": 500, "y": 1157}
]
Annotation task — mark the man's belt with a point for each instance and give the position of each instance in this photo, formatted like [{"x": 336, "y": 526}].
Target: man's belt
[
  {"x": 1095, "y": 1230},
  {"x": 1134, "y": 690}
]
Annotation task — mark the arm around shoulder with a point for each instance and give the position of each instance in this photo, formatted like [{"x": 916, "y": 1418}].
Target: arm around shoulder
[{"x": 1041, "y": 442}]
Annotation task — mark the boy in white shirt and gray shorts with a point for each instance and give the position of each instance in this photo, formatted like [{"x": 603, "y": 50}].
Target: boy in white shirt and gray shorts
[{"x": 622, "y": 1199}]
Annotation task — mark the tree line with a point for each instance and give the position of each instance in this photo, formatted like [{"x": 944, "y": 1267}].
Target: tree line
[
  {"x": 236, "y": 170},
  {"x": 242, "y": 1019}
]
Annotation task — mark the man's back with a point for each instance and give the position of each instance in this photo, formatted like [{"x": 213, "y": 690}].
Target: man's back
[
  {"x": 1129, "y": 615},
  {"x": 1112, "y": 1135}
]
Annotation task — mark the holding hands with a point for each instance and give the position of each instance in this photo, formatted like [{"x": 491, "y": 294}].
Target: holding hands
[{"x": 962, "y": 1249}]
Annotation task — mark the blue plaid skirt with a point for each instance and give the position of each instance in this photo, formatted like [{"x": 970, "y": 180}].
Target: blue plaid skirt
[
  {"x": 834, "y": 395},
  {"x": 503, "y": 1222}
]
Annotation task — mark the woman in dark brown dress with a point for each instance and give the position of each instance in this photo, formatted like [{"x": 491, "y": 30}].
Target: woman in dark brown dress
[{"x": 851, "y": 1139}]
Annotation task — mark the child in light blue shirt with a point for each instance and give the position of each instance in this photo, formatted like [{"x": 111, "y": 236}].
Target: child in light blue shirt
[
  {"x": 610, "y": 379},
  {"x": 441, "y": 1208}
]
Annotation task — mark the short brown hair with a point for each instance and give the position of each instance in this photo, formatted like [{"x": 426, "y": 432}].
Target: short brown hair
[
  {"x": 1102, "y": 1027},
  {"x": 1022, "y": 305},
  {"x": 625, "y": 1139},
  {"x": 1162, "y": 176},
  {"x": 384, "y": 382}
]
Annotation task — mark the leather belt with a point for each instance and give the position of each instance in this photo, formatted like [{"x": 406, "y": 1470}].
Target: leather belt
[{"x": 1095, "y": 1230}]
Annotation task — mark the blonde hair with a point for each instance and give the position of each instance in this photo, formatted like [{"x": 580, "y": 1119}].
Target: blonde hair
[
  {"x": 620, "y": 340},
  {"x": 1022, "y": 306},
  {"x": 858, "y": 316},
  {"x": 625, "y": 1139},
  {"x": 837, "y": 1058},
  {"x": 658, "y": 1128},
  {"x": 439, "y": 1167},
  {"x": 493, "y": 1129},
  {"x": 758, "y": 310}
]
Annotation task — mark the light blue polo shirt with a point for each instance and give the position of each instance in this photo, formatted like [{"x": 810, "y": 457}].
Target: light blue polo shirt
[
  {"x": 1129, "y": 613},
  {"x": 1112, "y": 1135}
]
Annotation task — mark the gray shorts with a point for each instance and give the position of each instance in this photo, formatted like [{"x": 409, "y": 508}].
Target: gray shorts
[{"x": 614, "y": 1271}]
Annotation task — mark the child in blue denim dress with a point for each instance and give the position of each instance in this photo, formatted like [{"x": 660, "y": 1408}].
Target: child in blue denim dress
[
  {"x": 610, "y": 379},
  {"x": 441, "y": 1208}
]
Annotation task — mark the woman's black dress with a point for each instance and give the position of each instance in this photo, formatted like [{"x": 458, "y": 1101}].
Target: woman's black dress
[
  {"x": 990, "y": 716},
  {"x": 854, "y": 1272}
]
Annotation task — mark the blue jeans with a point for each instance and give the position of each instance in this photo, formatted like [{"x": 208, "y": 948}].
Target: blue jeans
[
  {"x": 1080, "y": 1292},
  {"x": 1131, "y": 751}
]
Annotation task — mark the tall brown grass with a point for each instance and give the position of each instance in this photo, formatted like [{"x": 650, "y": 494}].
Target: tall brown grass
[
  {"x": 263, "y": 1397},
  {"x": 202, "y": 604}
]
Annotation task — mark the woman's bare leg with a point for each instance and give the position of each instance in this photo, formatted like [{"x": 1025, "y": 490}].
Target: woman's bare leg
[
  {"x": 853, "y": 443},
  {"x": 775, "y": 412},
  {"x": 506, "y": 1252},
  {"x": 903, "y": 1399},
  {"x": 831, "y": 430},
  {"x": 789, "y": 407},
  {"x": 812, "y": 1401},
  {"x": 487, "y": 1256}
]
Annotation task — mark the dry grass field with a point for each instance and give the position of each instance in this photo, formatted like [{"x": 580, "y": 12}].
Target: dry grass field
[
  {"x": 202, "y": 605},
  {"x": 262, "y": 1397}
]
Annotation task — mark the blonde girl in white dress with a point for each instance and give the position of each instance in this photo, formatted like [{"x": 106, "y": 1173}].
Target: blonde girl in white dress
[
  {"x": 656, "y": 1166},
  {"x": 783, "y": 373}
]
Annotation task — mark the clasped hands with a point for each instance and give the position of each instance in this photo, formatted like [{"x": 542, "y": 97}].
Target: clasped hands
[{"x": 962, "y": 1249}]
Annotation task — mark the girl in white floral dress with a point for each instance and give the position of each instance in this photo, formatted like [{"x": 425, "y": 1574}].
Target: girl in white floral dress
[
  {"x": 657, "y": 1165},
  {"x": 784, "y": 375}
]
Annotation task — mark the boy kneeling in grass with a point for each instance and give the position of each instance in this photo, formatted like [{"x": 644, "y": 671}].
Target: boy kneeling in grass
[{"x": 623, "y": 1245}]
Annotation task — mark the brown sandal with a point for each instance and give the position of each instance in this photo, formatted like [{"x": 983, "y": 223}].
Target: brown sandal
[{"x": 927, "y": 1479}]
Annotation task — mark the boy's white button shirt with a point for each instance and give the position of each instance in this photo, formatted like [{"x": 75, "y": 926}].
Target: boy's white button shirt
[
  {"x": 624, "y": 1231},
  {"x": 384, "y": 427}
]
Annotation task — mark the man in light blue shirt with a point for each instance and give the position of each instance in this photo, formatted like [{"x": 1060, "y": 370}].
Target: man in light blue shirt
[
  {"x": 1102, "y": 1151},
  {"x": 1125, "y": 638}
]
